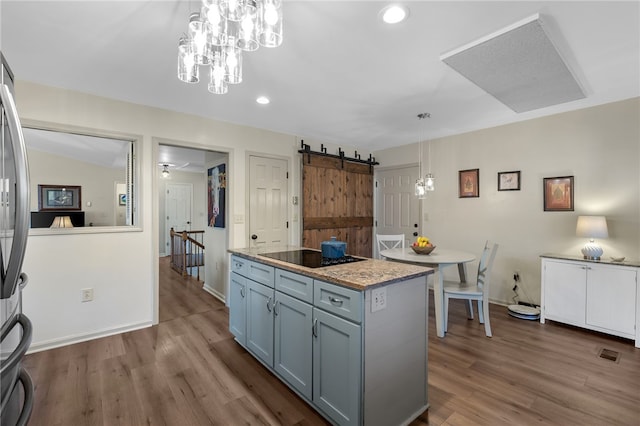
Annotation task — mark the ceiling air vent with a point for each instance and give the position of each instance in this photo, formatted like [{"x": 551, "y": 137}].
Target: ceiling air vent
[{"x": 518, "y": 65}]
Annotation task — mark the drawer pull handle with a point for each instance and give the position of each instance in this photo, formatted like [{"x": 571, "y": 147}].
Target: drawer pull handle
[
  {"x": 314, "y": 328},
  {"x": 242, "y": 292},
  {"x": 268, "y": 302},
  {"x": 335, "y": 301},
  {"x": 275, "y": 308}
]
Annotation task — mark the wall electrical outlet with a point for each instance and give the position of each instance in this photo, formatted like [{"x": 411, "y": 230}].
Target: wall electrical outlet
[
  {"x": 87, "y": 294},
  {"x": 378, "y": 299}
]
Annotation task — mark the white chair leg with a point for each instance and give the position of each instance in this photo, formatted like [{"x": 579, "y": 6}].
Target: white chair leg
[
  {"x": 470, "y": 309},
  {"x": 487, "y": 324},
  {"x": 481, "y": 311}
]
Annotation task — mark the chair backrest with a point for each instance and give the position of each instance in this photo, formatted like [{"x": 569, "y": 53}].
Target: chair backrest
[
  {"x": 485, "y": 266},
  {"x": 389, "y": 241}
]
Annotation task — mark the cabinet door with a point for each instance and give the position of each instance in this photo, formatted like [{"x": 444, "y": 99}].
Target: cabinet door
[
  {"x": 565, "y": 292},
  {"x": 260, "y": 321},
  {"x": 337, "y": 363},
  {"x": 238, "y": 308},
  {"x": 293, "y": 342},
  {"x": 611, "y": 299}
]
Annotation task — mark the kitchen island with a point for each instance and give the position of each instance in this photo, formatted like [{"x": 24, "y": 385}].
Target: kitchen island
[{"x": 350, "y": 339}]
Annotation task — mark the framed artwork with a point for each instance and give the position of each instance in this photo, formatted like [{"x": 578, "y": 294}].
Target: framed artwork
[
  {"x": 469, "y": 183},
  {"x": 122, "y": 199},
  {"x": 509, "y": 181},
  {"x": 558, "y": 194},
  {"x": 216, "y": 187},
  {"x": 59, "y": 197}
]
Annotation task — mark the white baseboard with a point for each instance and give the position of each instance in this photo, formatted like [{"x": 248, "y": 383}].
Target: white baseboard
[
  {"x": 215, "y": 293},
  {"x": 84, "y": 337}
]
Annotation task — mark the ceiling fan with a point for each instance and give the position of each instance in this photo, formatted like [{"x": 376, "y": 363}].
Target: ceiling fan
[{"x": 165, "y": 168}]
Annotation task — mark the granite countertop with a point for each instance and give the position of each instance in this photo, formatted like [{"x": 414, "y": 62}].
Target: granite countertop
[
  {"x": 357, "y": 275},
  {"x": 605, "y": 259}
]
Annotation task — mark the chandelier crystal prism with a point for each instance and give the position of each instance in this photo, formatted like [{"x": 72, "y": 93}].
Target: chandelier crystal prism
[{"x": 220, "y": 32}]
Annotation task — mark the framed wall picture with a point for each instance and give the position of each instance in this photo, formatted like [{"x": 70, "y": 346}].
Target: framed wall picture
[
  {"x": 469, "y": 183},
  {"x": 216, "y": 187},
  {"x": 122, "y": 199},
  {"x": 509, "y": 181},
  {"x": 59, "y": 197},
  {"x": 558, "y": 194}
]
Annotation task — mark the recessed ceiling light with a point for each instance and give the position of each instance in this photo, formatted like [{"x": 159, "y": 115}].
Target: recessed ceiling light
[
  {"x": 263, "y": 100},
  {"x": 394, "y": 13}
]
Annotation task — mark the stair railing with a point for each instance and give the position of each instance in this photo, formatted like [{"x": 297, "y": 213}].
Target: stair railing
[{"x": 187, "y": 252}]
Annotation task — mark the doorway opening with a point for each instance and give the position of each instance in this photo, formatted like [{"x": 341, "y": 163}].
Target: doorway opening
[{"x": 197, "y": 252}]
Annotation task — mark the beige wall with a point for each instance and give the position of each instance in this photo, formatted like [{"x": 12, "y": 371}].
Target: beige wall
[{"x": 599, "y": 146}]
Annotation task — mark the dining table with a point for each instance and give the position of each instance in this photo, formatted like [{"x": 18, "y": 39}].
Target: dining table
[{"x": 438, "y": 259}]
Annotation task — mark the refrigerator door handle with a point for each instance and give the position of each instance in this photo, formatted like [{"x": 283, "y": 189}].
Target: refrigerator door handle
[
  {"x": 27, "y": 407},
  {"x": 16, "y": 356},
  {"x": 24, "y": 280},
  {"x": 21, "y": 225}
]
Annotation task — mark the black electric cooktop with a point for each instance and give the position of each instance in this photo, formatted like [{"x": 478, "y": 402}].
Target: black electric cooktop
[{"x": 309, "y": 258}]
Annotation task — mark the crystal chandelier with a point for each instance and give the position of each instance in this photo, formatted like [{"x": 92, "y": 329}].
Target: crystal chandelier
[
  {"x": 219, "y": 33},
  {"x": 428, "y": 182}
]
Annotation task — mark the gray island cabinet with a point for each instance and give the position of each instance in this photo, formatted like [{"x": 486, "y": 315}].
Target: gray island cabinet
[{"x": 350, "y": 339}]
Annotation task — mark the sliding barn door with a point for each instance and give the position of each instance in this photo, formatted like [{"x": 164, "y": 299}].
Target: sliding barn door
[{"x": 337, "y": 202}]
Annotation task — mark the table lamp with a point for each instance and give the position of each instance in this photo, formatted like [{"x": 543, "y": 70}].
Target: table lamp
[
  {"x": 61, "y": 222},
  {"x": 592, "y": 227}
]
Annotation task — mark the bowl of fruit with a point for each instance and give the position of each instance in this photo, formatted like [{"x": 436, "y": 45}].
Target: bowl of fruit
[{"x": 422, "y": 245}]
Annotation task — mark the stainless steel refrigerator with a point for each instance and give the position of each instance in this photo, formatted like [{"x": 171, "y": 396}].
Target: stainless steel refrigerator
[{"x": 17, "y": 394}]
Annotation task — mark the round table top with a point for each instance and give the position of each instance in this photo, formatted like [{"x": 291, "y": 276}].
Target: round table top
[{"x": 439, "y": 256}]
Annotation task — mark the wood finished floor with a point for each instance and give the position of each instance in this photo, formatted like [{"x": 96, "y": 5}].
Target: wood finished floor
[{"x": 188, "y": 371}]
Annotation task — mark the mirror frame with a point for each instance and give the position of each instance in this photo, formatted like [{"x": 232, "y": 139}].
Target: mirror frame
[{"x": 137, "y": 163}]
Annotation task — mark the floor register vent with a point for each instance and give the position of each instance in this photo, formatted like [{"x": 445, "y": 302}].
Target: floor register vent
[{"x": 609, "y": 354}]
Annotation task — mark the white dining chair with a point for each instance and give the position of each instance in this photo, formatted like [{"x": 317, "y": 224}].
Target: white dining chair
[
  {"x": 389, "y": 241},
  {"x": 478, "y": 291}
]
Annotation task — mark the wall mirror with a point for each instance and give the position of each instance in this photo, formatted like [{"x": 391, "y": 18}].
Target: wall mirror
[{"x": 81, "y": 180}]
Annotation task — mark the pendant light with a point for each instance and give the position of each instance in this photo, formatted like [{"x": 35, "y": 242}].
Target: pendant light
[{"x": 423, "y": 185}]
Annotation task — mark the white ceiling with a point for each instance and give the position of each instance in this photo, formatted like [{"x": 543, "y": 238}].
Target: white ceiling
[{"x": 340, "y": 76}]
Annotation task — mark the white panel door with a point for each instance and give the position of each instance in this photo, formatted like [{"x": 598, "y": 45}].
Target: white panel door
[
  {"x": 178, "y": 205},
  {"x": 268, "y": 201},
  {"x": 397, "y": 208}
]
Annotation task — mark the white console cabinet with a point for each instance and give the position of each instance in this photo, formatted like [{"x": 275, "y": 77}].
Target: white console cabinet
[{"x": 598, "y": 295}]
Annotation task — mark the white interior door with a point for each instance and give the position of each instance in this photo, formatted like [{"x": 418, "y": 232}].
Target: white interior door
[
  {"x": 178, "y": 207},
  {"x": 397, "y": 210},
  {"x": 268, "y": 196}
]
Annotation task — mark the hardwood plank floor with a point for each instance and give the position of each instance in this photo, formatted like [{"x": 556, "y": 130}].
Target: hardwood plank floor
[{"x": 187, "y": 370}]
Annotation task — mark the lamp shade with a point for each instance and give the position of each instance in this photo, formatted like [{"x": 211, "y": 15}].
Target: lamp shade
[
  {"x": 592, "y": 227},
  {"x": 62, "y": 222}
]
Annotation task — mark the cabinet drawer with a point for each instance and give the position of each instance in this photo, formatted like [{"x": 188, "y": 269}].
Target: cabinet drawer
[
  {"x": 239, "y": 265},
  {"x": 338, "y": 300},
  {"x": 258, "y": 272},
  {"x": 294, "y": 285}
]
